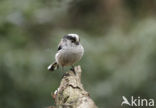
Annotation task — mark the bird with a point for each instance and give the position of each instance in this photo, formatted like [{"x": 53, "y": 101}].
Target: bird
[{"x": 69, "y": 52}]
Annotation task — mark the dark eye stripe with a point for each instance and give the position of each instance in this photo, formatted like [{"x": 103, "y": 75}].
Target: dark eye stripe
[{"x": 69, "y": 37}]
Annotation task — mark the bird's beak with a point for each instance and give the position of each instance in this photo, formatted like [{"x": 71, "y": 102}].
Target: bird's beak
[{"x": 77, "y": 43}]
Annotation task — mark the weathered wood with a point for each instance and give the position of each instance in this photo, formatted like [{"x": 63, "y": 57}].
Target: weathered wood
[{"x": 71, "y": 93}]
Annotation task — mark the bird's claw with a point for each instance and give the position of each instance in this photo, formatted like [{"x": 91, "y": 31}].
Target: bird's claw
[{"x": 73, "y": 70}]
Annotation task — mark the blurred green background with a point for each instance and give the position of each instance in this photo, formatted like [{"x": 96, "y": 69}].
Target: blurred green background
[{"x": 119, "y": 37}]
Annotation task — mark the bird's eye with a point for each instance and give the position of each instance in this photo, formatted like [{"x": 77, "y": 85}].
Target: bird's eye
[{"x": 73, "y": 39}]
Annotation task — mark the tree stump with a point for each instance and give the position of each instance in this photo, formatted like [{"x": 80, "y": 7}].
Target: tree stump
[{"x": 71, "y": 93}]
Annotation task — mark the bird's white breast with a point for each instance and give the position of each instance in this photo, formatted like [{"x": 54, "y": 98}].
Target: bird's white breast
[{"x": 69, "y": 55}]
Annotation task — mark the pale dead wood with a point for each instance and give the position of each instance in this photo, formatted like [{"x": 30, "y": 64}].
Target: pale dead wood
[{"x": 71, "y": 93}]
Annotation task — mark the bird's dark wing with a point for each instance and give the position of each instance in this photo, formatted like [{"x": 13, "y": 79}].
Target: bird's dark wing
[{"x": 59, "y": 47}]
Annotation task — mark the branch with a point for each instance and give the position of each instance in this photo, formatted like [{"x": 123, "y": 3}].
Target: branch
[{"x": 71, "y": 93}]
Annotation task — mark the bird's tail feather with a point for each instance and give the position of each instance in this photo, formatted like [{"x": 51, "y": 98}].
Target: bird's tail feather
[{"x": 53, "y": 66}]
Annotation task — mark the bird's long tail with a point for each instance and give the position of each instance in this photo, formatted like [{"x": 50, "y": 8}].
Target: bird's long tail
[{"x": 53, "y": 66}]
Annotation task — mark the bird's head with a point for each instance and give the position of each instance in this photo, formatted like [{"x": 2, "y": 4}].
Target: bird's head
[{"x": 74, "y": 38}]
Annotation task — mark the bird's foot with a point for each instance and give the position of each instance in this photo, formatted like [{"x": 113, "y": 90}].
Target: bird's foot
[{"x": 73, "y": 70}]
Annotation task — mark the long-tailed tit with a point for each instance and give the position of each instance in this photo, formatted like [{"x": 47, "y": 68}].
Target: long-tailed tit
[{"x": 69, "y": 52}]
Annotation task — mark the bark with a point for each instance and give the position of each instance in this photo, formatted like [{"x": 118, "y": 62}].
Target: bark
[{"x": 71, "y": 93}]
